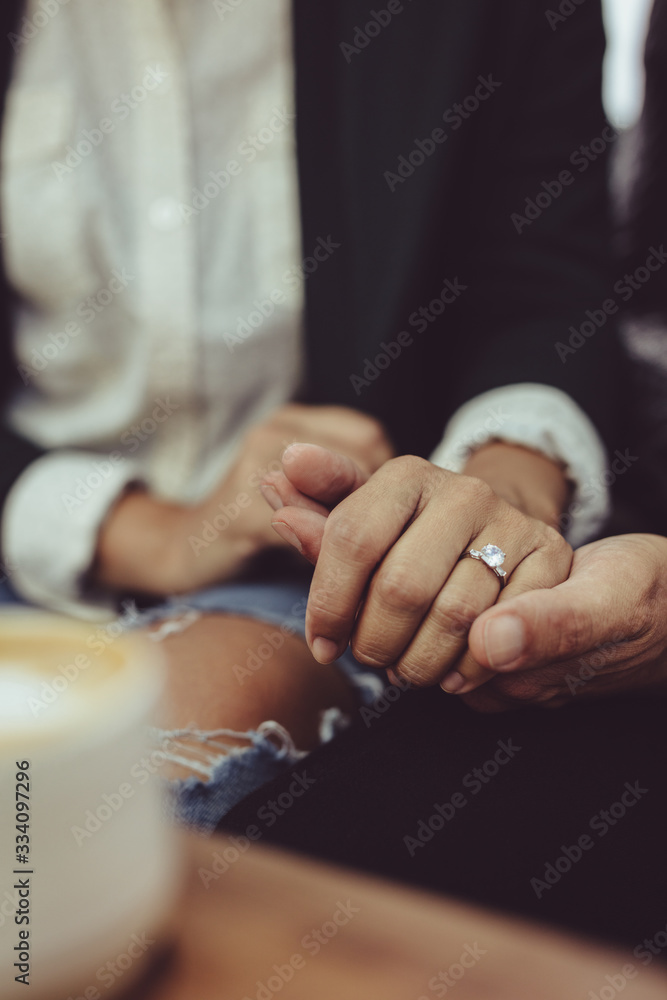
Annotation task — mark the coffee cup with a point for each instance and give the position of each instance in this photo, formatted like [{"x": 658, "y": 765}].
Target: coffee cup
[{"x": 88, "y": 865}]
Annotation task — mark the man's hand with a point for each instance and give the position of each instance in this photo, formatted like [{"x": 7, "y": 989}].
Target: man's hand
[
  {"x": 389, "y": 577},
  {"x": 149, "y": 545},
  {"x": 602, "y": 632}
]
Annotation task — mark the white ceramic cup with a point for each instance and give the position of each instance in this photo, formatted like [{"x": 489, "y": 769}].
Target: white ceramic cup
[{"x": 83, "y": 915}]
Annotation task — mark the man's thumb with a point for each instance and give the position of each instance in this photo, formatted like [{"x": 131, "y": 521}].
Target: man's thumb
[{"x": 537, "y": 628}]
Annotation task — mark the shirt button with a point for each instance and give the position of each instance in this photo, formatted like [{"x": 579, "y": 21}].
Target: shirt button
[{"x": 165, "y": 215}]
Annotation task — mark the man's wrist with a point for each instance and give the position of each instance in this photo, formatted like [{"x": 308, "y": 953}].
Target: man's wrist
[{"x": 536, "y": 485}]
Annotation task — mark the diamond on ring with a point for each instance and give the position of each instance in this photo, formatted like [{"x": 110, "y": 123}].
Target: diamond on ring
[{"x": 493, "y": 556}]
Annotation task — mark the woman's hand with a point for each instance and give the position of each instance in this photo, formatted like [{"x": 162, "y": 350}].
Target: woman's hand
[
  {"x": 149, "y": 545},
  {"x": 602, "y": 632},
  {"x": 389, "y": 577},
  {"x": 239, "y": 498}
]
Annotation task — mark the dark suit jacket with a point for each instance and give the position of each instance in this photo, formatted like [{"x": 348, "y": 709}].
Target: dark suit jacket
[
  {"x": 640, "y": 499},
  {"x": 374, "y": 102}
]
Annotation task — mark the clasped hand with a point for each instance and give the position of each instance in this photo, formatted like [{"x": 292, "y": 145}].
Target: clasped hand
[{"x": 389, "y": 579}]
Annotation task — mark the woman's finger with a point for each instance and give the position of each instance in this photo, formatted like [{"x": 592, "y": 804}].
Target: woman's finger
[
  {"x": 441, "y": 638},
  {"x": 301, "y": 528},
  {"x": 358, "y": 534},
  {"x": 321, "y": 474},
  {"x": 401, "y": 597},
  {"x": 279, "y": 492},
  {"x": 336, "y": 427}
]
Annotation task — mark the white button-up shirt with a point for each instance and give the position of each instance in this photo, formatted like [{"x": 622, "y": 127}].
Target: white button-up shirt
[{"x": 151, "y": 228}]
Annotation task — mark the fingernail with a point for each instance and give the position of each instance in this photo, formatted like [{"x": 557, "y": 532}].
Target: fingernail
[
  {"x": 291, "y": 452},
  {"x": 287, "y": 534},
  {"x": 504, "y": 640},
  {"x": 453, "y": 682},
  {"x": 324, "y": 650},
  {"x": 271, "y": 496}
]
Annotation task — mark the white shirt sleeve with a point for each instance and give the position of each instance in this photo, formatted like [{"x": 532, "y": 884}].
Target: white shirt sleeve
[
  {"x": 547, "y": 420},
  {"x": 50, "y": 523}
]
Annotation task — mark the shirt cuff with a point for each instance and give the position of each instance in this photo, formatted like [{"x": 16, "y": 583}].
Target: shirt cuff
[
  {"x": 50, "y": 523},
  {"x": 548, "y": 421}
]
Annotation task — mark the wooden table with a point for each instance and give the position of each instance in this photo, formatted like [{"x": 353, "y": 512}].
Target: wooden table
[{"x": 275, "y": 925}]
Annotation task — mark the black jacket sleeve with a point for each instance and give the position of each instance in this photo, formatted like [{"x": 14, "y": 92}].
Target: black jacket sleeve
[{"x": 545, "y": 306}]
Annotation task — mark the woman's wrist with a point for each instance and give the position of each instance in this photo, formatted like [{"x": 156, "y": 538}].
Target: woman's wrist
[
  {"x": 145, "y": 543},
  {"x": 152, "y": 546},
  {"x": 533, "y": 483},
  {"x": 139, "y": 545}
]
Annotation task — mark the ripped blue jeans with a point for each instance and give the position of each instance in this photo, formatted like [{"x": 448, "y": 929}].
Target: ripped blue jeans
[{"x": 222, "y": 773}]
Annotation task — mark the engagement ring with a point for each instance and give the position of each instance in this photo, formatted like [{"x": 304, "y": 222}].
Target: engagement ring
[{"x": 494, "y": 557}]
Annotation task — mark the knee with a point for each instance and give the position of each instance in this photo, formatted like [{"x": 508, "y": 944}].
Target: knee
[{"x": 235, "y": 673}]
